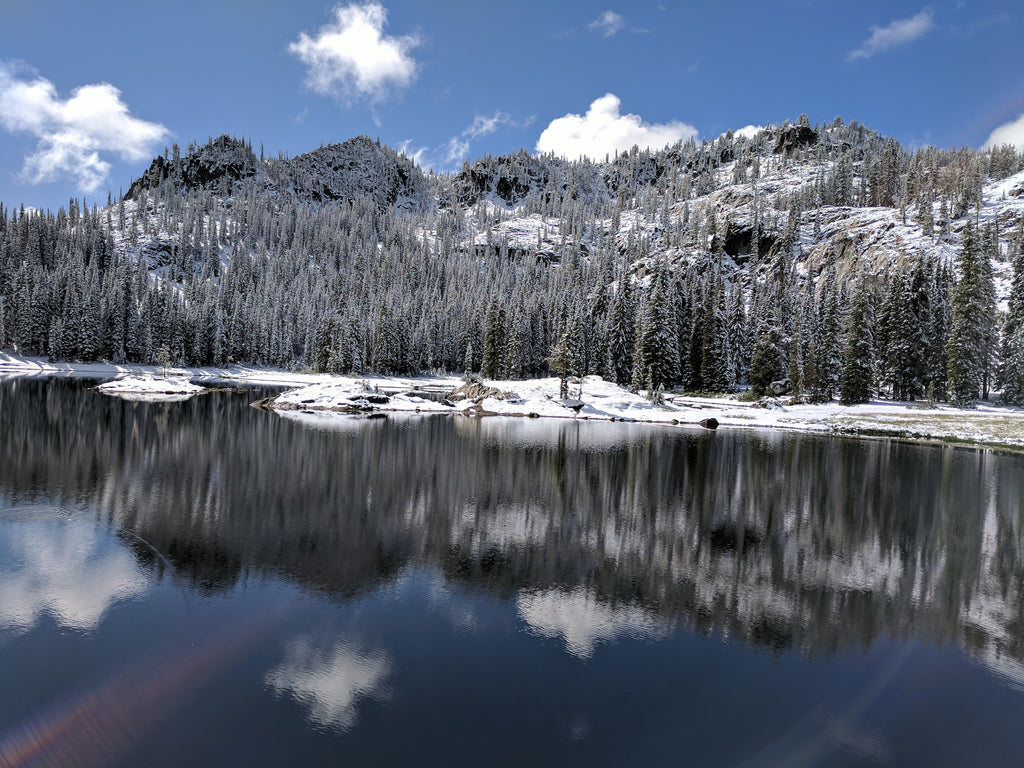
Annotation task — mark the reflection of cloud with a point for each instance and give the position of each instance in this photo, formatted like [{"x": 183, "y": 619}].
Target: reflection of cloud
[
  {"x": 330, "y": 681},
  {"x": 63, "y": 570},
  {"x": 583, "y": 620}
]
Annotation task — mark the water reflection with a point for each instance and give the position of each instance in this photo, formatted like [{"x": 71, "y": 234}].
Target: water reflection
[
  {"x": 330, "y": 679},
  {"x": 66, "y": 570},
  {"x": 583, "y": 620},
  {"x": 785, "y": 542}
]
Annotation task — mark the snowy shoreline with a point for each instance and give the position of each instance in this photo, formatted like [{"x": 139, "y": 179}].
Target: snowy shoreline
[{"x": 592, "y": 399}]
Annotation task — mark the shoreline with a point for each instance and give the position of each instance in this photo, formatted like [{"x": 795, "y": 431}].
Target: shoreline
[{"x": 983, "y": 427}]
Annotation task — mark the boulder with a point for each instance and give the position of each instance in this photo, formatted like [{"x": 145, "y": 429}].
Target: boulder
[
  {"x": 477, "y": 392},
  {"x": 709, "y": 423}
]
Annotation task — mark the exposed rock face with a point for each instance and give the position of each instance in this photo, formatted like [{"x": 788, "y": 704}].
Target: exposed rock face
[
  {"x": 216, "y": 165},
  {"x": 357, "y": 168},
  {"x": 739, "y": 239},
  {"x": 793, "y": 138},
  {"x": 508, "y": 177}
]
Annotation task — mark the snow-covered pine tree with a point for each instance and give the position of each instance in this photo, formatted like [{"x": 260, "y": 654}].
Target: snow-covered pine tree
[
  {"x": 972, "y": 316},
  {"x": 1012, "y": 355},
  {"x": 858, "y": 353},
  {"x": 621, "y": 332}
]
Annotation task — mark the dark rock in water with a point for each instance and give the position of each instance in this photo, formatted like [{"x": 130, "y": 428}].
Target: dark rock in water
[
  {"x": 533, "y": 415},
  {"x": 377, "y": 399},
  {"x": 266, "y": 404},
  {"x": 709, "y": 423}
]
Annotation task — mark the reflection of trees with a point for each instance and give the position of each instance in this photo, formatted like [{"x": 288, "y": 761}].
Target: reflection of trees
[{"x": 784, "y": 541}]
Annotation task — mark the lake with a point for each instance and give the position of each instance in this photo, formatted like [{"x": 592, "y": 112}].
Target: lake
[{"x": 203, "y": 583}]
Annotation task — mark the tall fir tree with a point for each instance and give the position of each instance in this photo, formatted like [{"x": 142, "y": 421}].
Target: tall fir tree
[
  {"x": 1012, "y": 354},
  {"x": 856, "y": 380},
  {"x": 972, "y": 318}
]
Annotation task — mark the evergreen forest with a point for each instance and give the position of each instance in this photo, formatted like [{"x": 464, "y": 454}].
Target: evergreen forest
[{"x": 823, "y": 261}]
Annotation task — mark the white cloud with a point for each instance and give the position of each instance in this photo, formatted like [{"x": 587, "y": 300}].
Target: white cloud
[
  {"x": 748, "y": 131},
  {"x": 352, "y": 57},
  {"x": 416, "y": 154},
  {"x": 608, "y": 23},
  {"x": 898, "y": 32},
  {"x": 329, "y": 682},
  {"x": 72, "y": 132},
  {"x": 603, "y": 131},
  {"x": 483, "y": 125},
  {"x": 1010, "y": 133}
]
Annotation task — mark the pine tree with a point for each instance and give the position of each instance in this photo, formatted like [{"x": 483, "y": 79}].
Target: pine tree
[
  {"x": 621, "y": 333},
  {"x": 495, "y": 334},
  {"x": 715, "y": 341},
  {"x": 972, "y": 319},
  {"x": 827, "y": 349},
  {"x": 901, "y": 341},
  {"x": 658, "y": 346},
  {"x": 1012, "y": 370},
  {"x": 858, "y": 353}
]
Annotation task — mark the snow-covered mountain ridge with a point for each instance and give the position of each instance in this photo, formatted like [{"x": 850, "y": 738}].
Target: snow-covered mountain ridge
[{"x": 706, "y": 266}]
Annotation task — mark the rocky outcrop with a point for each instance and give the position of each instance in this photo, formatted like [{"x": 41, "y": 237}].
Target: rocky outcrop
[
  {"x": 793, "y": 138},
  {"x": 477, "y": 392},
  {"x": 357, "y": 168},
  {"x": 217, "y": 165}
]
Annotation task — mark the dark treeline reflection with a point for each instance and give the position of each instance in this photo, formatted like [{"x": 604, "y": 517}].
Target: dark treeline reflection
[{"x": 785, "y": 541}]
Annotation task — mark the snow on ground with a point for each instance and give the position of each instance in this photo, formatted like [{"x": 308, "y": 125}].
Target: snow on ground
[
  {"x": 345, "y": 394},
  {"x": 596, "y": 399},
  {"x": 146, "y": 386},
  {"x": 591, "y": 399}
]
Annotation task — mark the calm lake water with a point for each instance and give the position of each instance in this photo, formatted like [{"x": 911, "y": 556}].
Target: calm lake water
[{"x": 205, "y": 584}]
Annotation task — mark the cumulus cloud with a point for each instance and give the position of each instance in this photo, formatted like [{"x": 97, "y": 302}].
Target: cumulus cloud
[
  {"x": 898, "y": 32},
  {"x": 353, "y": 58},
  {"x": 748, "y": 131},
  {"x": 1010, "y": 133},
  {"x": 73, "y": 133},
  {"x": 608, "y": 23},
  {"x": 603, "y": 131}
]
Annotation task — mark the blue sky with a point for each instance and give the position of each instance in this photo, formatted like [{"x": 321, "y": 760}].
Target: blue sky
[{"x": 89, "y": 92}]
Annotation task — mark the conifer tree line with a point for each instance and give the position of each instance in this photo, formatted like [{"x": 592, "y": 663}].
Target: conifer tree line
[{"x": 646, "y": 284}]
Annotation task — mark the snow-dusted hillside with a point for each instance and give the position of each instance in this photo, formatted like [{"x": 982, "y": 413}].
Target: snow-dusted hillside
[{"x": 349, "y": 258}]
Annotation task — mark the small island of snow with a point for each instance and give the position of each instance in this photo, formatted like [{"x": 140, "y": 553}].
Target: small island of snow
[{"x": 149, "y": 387}]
